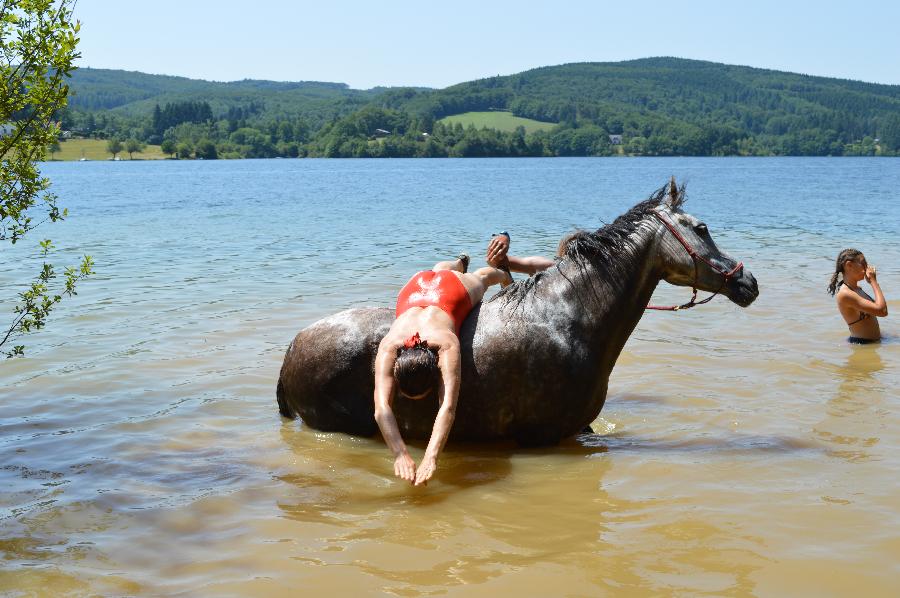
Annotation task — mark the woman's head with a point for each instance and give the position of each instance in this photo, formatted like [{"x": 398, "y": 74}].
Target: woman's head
[
  {"x": 416, "y": 369},
  {"x": 850, "y": 263}
]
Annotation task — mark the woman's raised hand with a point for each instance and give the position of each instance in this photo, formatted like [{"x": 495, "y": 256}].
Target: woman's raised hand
[
  {"x": 497, "y": 249},
  {"x": 871, "y": 275}
]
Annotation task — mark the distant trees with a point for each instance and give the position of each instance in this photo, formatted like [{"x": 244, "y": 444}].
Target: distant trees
[
  {"x": 133, "y": 146},
  {"x": 114, "y": 146},
  {"x": 206, "y": 150},
  {"x": 184, "y": 150},
  {"x": 168, "y": 147},
  {"x": 890, "y": 132},
  {"x": 173, "y": 114},
  {"x": 658, "y": 106}
]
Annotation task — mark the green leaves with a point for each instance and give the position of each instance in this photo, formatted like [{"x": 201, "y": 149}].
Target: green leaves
[
  {"x": 36, "y": 303},
  {"x": 38, "y": 41}
]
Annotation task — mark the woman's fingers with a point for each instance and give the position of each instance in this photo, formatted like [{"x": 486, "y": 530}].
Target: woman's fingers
[{"x": 405, "y": 468}]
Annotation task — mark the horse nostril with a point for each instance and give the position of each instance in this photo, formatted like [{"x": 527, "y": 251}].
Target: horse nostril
[{"x": 751, "y": 281}]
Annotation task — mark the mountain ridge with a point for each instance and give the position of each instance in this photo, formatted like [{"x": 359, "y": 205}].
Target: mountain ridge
[{"x": 659, "y": 105}]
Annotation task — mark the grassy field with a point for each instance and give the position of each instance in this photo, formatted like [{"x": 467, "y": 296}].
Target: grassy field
[
  {"x": 95, "y": 149},
  {"x": 502, "y": 121}
]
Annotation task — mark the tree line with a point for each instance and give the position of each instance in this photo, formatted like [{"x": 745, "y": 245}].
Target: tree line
[{"x": 659, "y": 107}]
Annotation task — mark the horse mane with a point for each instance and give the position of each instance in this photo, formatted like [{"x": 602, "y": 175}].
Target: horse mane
[{"x": 610, "y": 249}]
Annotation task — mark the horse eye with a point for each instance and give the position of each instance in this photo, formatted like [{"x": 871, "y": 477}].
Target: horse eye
[{"x": 701, "y": 228}]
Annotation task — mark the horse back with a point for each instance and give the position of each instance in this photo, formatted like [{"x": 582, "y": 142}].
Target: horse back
[{"x": 327, "y": 377}]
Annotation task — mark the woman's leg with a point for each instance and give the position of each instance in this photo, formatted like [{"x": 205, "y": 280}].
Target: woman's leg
[
  {"x": 477, "y": 282},
  {"x": 460, "y": 264},
  {"x": 491, "y": 276}
]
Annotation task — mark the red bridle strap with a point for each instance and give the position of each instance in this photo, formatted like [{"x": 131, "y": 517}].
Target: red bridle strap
[{"x": 695, "y": 257}]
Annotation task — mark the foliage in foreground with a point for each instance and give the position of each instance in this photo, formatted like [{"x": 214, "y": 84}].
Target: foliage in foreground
[{"x": 38, "y": 41}]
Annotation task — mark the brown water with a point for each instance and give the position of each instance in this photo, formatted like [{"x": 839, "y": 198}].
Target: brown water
[{"x": 741, "y": 452}]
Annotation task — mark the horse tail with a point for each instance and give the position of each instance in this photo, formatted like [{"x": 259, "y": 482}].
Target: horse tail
[{"x": 284, "y": 408}]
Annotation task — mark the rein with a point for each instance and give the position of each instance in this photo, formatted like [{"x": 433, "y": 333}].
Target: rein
[{"x": 696, "y": 257}]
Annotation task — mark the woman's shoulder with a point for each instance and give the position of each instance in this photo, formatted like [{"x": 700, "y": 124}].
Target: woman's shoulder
[{"x": 845, "y": 295}]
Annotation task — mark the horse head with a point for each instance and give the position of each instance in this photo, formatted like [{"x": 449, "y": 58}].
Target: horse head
[{"x": 689, "y": 257}]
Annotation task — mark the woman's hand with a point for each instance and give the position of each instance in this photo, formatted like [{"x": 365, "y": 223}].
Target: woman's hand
[
  {"x": 871, "y": 275},
  {"x": 425, "y": 471},
  {"x": 497, "y": 249},
  {"x": 405, "y": 468}
]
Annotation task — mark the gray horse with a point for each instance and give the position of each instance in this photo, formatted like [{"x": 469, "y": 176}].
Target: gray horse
[{"x": 536, "y": 358}]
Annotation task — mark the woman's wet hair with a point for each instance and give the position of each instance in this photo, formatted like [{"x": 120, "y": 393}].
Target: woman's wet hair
[
  {"x": 572, "y": 237},
  {"x": 416, "y": 370},
  {"x": 847, "y": 255}
]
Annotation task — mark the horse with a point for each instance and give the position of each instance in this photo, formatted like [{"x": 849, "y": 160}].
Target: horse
[{"x": 537, "y": 356}]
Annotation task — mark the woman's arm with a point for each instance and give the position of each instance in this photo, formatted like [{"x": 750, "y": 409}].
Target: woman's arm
[
  {"x": 498, "y": 249},
  {"x": 449, "y": 362},
  {"x": 529, "y": 265},
  {"x": 880, "y": 301},
  {"x": 878, "y": 307},
  {"x": 404, "y": 466}
]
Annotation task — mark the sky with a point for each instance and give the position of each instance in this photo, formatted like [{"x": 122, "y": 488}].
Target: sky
[{"x": 435, "y": 44}]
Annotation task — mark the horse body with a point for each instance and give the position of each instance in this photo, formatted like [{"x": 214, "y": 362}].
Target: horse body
[{"x": 536, "y": 358}]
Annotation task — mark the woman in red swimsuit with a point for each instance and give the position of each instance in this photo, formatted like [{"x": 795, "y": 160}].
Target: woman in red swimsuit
[
  {"x": 420, "y": 353},
  {"x": 856, "y": 306}
]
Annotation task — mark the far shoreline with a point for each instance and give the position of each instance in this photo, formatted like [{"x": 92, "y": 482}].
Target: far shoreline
[
  {"x": 96, "y": 150},
  {"x": 370, "y": 158}
]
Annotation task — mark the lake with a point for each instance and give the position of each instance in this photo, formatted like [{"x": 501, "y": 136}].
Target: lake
[{"x": 740, "y": 452}]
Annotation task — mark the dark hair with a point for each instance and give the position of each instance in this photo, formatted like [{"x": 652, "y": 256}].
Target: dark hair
[
  {"x": 572, "y": 237},
  {"x": 416, "y": 370},
  {"x": 847, "y": 255}
]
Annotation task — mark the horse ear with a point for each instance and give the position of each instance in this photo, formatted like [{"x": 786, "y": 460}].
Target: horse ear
[{"x": 676, "y": 194}]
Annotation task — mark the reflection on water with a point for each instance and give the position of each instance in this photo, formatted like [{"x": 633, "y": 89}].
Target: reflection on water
[
  {"x": 740, "y": 452},
  {"x": 855, "y": 413}
]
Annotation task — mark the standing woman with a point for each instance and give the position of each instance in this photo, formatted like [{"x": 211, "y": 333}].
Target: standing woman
[{"x": 856, "y": 306}]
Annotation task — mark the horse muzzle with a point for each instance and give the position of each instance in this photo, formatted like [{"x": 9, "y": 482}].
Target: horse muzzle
[{"x": 742, "y": 289}]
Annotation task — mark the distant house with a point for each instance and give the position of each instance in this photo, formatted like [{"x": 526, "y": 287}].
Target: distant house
[
  {"x": 6, "y": 129},
  {"x": 65, "y": 134},
  {"x": 615, "y": 139},
  {"x": 381, "y": 133}
]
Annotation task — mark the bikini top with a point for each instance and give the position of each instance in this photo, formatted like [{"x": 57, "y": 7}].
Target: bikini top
[{"x": 862, "y": 315}]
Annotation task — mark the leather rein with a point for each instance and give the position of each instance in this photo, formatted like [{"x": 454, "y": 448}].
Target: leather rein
[{"x": 697, "y": 258}]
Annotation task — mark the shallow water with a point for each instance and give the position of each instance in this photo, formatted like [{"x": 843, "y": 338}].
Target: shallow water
[{"x": 740, "y": 452}]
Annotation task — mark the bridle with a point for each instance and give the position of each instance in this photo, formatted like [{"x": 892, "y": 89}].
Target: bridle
[{"x": 727, "y": 275}]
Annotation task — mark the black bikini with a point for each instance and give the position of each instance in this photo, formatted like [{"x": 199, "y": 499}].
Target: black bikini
[
  {"x": 856, "y": 340},
  {"x": 862, "y": 315}
]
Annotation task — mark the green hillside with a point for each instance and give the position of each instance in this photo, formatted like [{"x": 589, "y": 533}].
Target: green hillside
[
  {"x": 128, "y": 94},
  {"x": 659, "y": 107},
  {"x": 499, "y": 120}
]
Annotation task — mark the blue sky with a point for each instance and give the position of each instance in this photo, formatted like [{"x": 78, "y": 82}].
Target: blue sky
[{"x": 433, "y": 44}]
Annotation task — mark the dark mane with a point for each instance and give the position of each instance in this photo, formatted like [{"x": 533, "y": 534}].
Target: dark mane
[{"x": 609, "y": 249}]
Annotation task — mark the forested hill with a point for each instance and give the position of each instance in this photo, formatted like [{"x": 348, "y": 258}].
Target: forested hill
[
  {"x": 659, "y": 106},
  {"x": 134, "y": 94}
]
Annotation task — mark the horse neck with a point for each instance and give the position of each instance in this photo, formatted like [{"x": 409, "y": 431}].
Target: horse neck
[{"x": 614, "y": 305}]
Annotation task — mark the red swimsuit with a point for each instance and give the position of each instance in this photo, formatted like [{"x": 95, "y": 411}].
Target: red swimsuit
[{"x": 441, "y": 289}]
